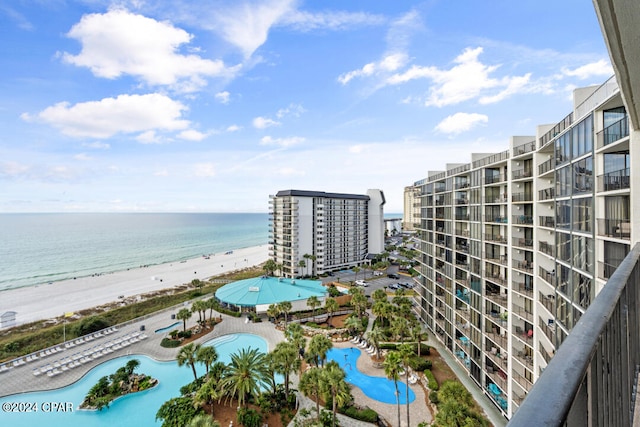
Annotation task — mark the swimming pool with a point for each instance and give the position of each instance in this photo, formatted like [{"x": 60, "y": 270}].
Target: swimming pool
[
  {"x": 138, "y": 409},
  {"x": 381, "y": 389}
]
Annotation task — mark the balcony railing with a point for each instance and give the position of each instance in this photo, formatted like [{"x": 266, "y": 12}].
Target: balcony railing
[
  {"x": 591, "y": 378},
  {"x": 613, "y": 133},
  {"x": 611, "y": 181},
  {"x": 617, "y": 228}
]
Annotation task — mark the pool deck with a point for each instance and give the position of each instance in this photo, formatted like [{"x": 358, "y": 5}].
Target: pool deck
[{"x": 20, "y": 379}]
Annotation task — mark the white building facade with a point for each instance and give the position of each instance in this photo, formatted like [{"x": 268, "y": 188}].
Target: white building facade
[
  {"x": 324, "y": 231},
  {"x": 411, "y": 209},
  {"x": 515, "y": 245}
]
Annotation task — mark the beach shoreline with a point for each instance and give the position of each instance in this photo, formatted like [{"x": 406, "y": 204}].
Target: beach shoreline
[{"x": 46, "y": 301}]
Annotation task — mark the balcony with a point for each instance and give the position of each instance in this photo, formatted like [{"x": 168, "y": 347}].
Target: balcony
[
  {"x": 613, "y": 133},
  {"x": 618, "y": 180},
  {"x": 522, "y": 219},
  {"x": 597, "y": 362},
  {"x": 547, "y": 221},
  {"x": 547, "y": 194},
  {"x": 523, "y": 196},
  {"x": 547, "y": 166},
  {"x": 521, "y": 173},
  {"x": 522, "y": 242},
  {"x": 616, "y": 228}
]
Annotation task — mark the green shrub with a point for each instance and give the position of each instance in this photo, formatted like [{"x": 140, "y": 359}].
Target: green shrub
[
  {"x": 185, "y": 334},
  {"x": 367, "y": 415},
  {"x": 90, "y": 325},
  {"x": 432, "y": 383},
  {"x": 419, "y": 364},
  {"x": 433, "y": 397},
  {"x": 169, "y": 343},
  {"x": 249, "y": 417}
]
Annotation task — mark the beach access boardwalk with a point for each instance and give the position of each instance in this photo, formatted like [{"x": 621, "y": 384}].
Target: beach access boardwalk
[{"x": 21, "y": 378}]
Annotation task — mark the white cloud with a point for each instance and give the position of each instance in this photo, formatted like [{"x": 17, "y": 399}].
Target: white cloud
[
  {"x": 222, "y": 97},
  {"x": 289, "y": 171},
  {"x": 12, "y": 169},
  {"x": 119, "y": 42},
  {"x": 598, "y": 69},
  {"x": 295, "y": 110},
  {"x": 468, "y": 79},
  {"x": 161, "y": 172},
  {"x": 110, "y": 116},
  {"x": 149, "y": 137},
  {"x": 233, "y": 128},
  {"x": 264, "y": 122},
  {"x": 204, "y": 170},
  {"x": 461, "y": 122},
  {"x": 389, "y": 63},
  {"x": 282, "y": 142},
  {"x": 333, "y": 20},
  {"x": 192, "y": 135},
  {"x": 246, "y": 25},
  {"x": 357, "y": 149}
]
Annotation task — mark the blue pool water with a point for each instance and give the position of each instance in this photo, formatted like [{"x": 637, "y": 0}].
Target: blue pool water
[
  {"x": 378, "y": 388},
  {"x": 138, "y": 409},
  {"x": 167, "y": 328}
]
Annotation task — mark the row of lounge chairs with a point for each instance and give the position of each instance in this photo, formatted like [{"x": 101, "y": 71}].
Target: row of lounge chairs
[
  {"x": 91, "y": 337},
  {"x": 88, "y": 355}
]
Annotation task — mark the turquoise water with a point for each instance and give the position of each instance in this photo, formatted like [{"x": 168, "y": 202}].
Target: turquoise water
[
  {"x": 138, "y": 409},
  {"x": 381, "y": 389},
  {"x": 167, "y": 328},
  {"x": 39, "y": 248}
]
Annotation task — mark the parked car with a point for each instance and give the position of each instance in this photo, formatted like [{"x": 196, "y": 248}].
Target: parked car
[
  {"x": 361, "y": 283},
  {"x": 394, "y": 286},
  {"x": 393, "y": 276},
  {"x": 378, "y": 273},
  {"x": 406, "y": 285}
]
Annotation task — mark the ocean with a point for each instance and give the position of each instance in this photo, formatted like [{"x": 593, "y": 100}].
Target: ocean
[{"x": 48, "y": 247}]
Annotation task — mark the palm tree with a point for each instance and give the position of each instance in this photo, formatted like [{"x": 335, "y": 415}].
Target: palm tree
[
  {"x": 375, "y": 336},
  {"x": 319, "y": 345},
  {"x": 207, "y": 393},
  {"x": 399, "y": 325},
  {"x": 131, "y": 366},
  {"x": 200, "y": 307},
  {"x": 301, "y": 264},
  {"x": 416, "y": 334},
  {"x": 306, "y": 257},
  {"x": 211, "y": 304},
  {"x": 294, "y": 334},
  {"x": 273, "y": 311},
  {"x": 285, "y": 308},
  {"x": 392, "y": 368},
  {"x": 269, "y": 267},
  {"x": 354, "y": 324},
  {"x": 280, "y": 268},
  {"x": 203, "y": 420},
  {"x": 311, "y": 386},
  {"x": 285, "y": 362},
  {"x": 187, "y": 356},
  {"x": 207, "y": 355},
  {"x": 314, "y": 303},
  {"x": 356, "y": 270},
  {"x": 406, "y": 352},
  {"x": 381, "y": 309},
  {"x": 335, "y": 385},
  {"x": 184, "y": 315},
  {"x": 331, "y": 305},
  {"x": 246, "y": 375},
  {"x": 379, "y": 295},
  {"x": 313, "y": 264}
]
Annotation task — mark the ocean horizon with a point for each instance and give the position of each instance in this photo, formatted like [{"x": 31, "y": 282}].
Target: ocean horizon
[{"x": 39, "y": 248}]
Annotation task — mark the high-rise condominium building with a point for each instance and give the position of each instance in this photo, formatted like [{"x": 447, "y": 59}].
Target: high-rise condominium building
[
  {"x": 411, "y": 211},
  {"x": 514, "y": 246},
  {"x": 313, "y": 232}
]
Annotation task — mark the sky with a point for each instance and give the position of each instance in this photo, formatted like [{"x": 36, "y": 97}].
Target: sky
[{"x": 213, "y": 105}]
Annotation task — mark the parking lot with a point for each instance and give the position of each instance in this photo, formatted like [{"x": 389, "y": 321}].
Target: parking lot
[{"x": 372, "y": 282}]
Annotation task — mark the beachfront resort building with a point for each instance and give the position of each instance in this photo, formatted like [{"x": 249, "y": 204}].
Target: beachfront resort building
[
  {"x": 313, "y": 232},
  {"x": 514, "y": 246},
  {"x": 411, "y": 210}
]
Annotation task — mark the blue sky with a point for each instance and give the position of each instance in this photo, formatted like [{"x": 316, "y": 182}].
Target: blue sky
[{"x": 210, "y": 106}]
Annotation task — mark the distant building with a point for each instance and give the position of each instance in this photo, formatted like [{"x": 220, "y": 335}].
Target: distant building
[
  {"x": 339, "y": 230},
  {"x": 411, "y": 212},
  {"x": 393, "y": 226}
]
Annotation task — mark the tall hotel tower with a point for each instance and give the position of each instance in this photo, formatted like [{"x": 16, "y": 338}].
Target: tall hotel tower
[
  {"x": 337, "y": 230},
  {"x": 514, "y": 246}
]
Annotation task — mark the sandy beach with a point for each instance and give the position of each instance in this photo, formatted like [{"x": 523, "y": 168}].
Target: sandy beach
[{"x": 52, "y": 300}]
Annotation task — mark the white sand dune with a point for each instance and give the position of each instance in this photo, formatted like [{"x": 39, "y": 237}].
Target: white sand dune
[{"x": 51, "y": 300}]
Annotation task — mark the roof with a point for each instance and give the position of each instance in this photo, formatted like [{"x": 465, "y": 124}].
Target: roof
[
  {"x": 269, "y": 290},
  {"x": 304, "y": 193}
]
